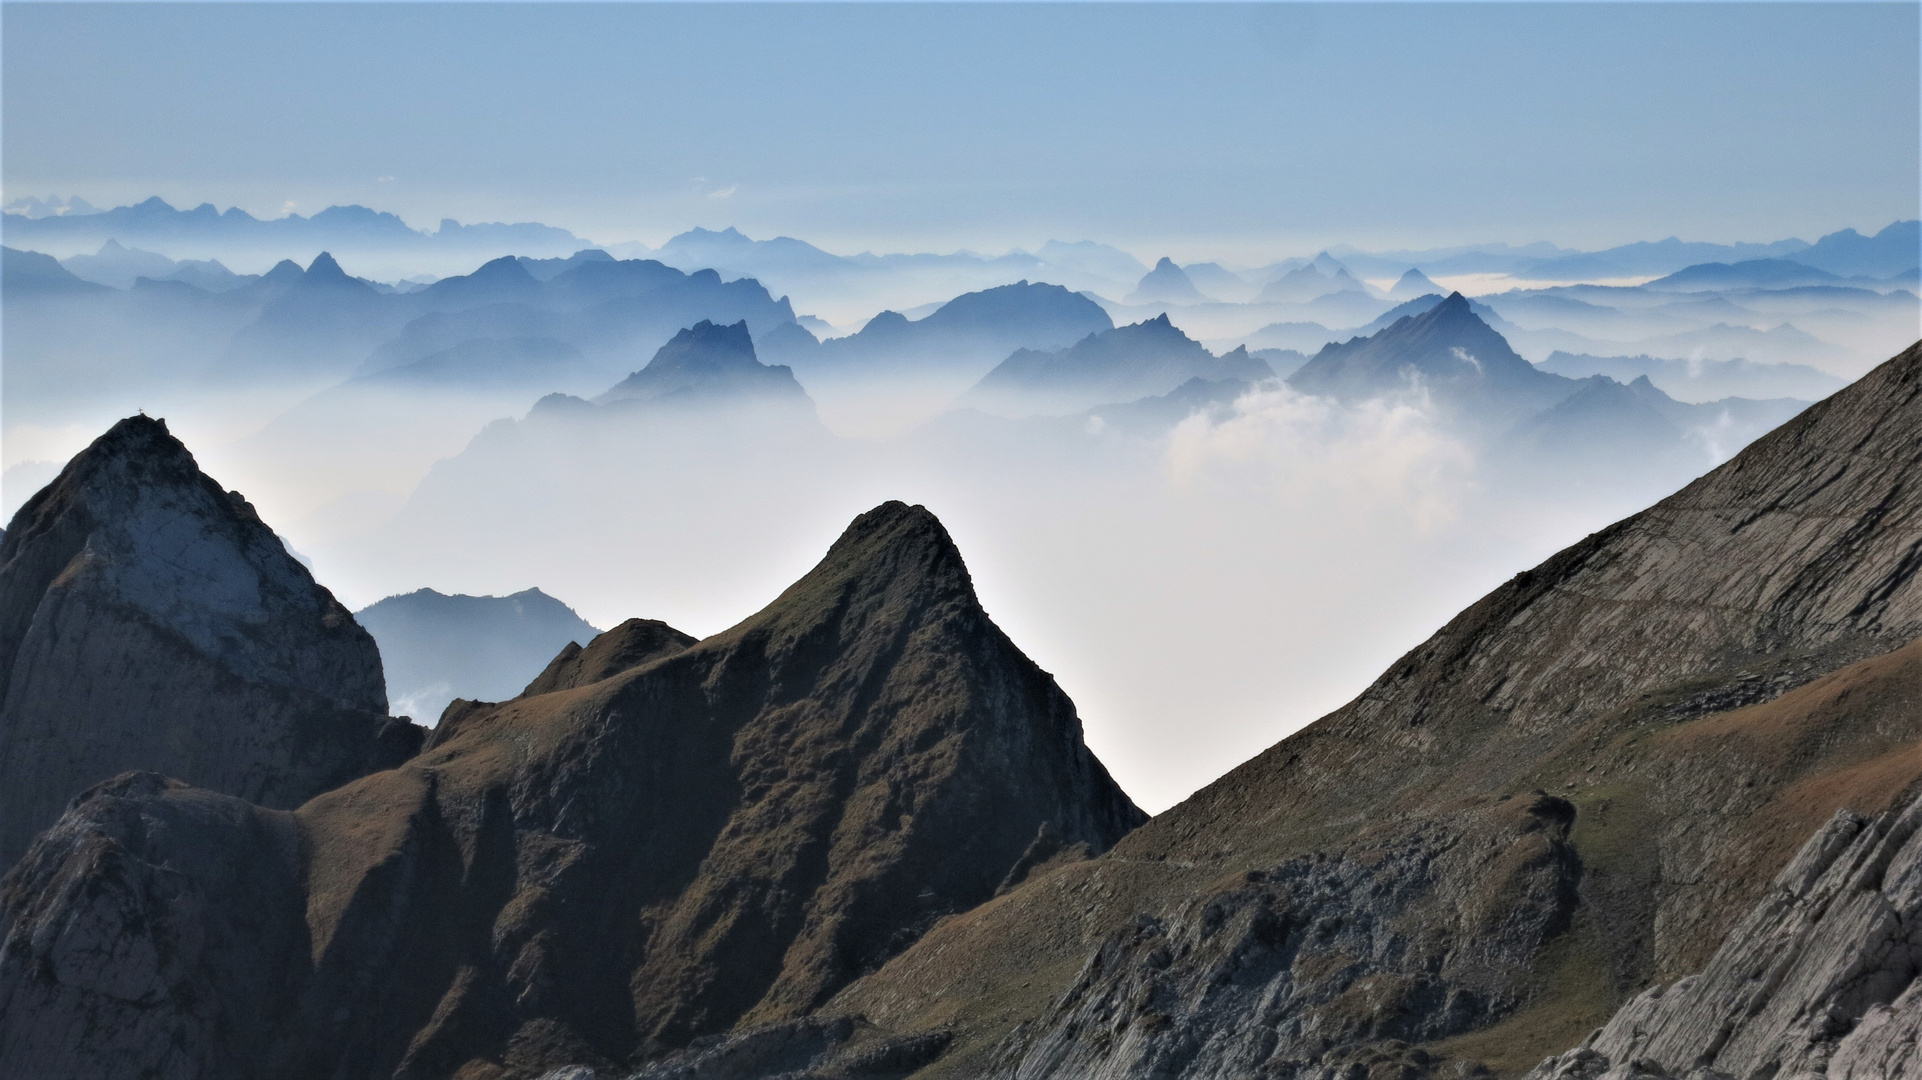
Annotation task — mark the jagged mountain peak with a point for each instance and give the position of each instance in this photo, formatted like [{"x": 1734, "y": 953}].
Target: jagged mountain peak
[
  {"x": 724, "y": 834},
  {"x": 149, "y": 619},
  {"x": 711, "y": 363}
]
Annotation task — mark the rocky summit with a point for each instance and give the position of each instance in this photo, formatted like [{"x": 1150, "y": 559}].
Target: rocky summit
[
  {"x": 606, "y": 869},
  {"x": 149, "y": 620}
]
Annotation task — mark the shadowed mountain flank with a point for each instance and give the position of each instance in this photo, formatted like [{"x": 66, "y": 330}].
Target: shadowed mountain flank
[
  {"x": 722, "y": 834},
  {"x": 148, "y": 619}
]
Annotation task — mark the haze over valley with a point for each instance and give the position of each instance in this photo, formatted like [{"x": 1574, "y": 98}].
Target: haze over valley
[
  {"x": 1264, "y": 452},
  {"x": 1276, "y": 541}
]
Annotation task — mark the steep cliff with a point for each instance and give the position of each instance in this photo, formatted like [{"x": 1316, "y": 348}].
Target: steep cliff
[
  {"x": 718, "y": 838},
  {"x": 149, "y": 620}
]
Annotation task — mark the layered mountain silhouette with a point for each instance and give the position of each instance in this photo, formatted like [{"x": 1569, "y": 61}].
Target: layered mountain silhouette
[
  {"x": 1447, "y": 353},
  {"x": 1322, "y": 277},
  {"x": 155, "y": 221},
  {"x": 707, "y": 363},
  {"x": 1165, "y": 284},
  {"x": 1145, "y": 359},
  {"x": 30, "y": 273},
  {"x": 968, "y": 334},
  {"x": 1412, "y": 284},
  {"x": 148, "y": 619},
  {"x": 436, "y": 647},
  {"x": 724, "y": 834}
]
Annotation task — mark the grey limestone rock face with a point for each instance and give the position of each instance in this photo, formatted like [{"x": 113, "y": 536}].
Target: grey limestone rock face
[
  {"x": 150, "y": 620},
  {"x": 1818, "y": 981},
  {"x": 148, "y": 935}
]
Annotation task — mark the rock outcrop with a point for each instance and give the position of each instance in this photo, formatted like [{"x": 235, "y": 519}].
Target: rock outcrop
[
  {"x": 1818, "y": 981},
  {"x": 149, "y": 620},
  {"x": 716, "y": 839}
]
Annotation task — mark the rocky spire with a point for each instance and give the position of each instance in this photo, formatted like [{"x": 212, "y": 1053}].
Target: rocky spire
[{"x": 148, "y": 619}]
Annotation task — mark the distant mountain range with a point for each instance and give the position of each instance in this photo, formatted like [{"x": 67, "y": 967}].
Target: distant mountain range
[
  {"x": 1702, "y": 380},
  {"x": 1533, "y": 419},
  {"x": 155, "y": 222},
  {"x": 707, "y": 363},
  {"x": 73, "y": 228}
]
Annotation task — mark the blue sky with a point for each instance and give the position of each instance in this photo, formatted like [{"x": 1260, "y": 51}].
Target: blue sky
[{"x": 1189, "y": 128}]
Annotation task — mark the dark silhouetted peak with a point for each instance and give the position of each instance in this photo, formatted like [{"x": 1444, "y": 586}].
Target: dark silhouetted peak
[
  {"x": 325, "y": 270},
  {"x": 627, "y": 646},
  {"x": 1025, "y": 307},
  {"x": 1166, "y": 283},
  {"x": 708, "y": 363},
  {"x": 149, "y": 619}
]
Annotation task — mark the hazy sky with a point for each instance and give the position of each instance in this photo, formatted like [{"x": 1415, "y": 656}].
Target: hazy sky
[{"x": 1191, "y": 128}]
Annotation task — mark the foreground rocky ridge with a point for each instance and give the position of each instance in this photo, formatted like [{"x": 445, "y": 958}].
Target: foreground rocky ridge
[
  {"x": 719, "y": 837},
  {"x": 1818, "y": 981},
  {"x": 148, "y": 619},
  {"x": 1572, "y": 790}
]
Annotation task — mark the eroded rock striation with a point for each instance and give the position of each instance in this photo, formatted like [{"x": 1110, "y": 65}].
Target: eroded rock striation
[
  {"x": 1818, "y": 981},
  {"x": 716, "y": 838},
  {"x": 149, "y": 620}
]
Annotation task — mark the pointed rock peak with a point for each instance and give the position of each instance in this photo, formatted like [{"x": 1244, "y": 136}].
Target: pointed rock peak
[
  {"x": 1159, "y": 322},
  {"x": 893, "y": 549},
  {"x": 324, "y": 268},
  {"x": 706, "y": 340},
  {"x": 139, "y": 449}
]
